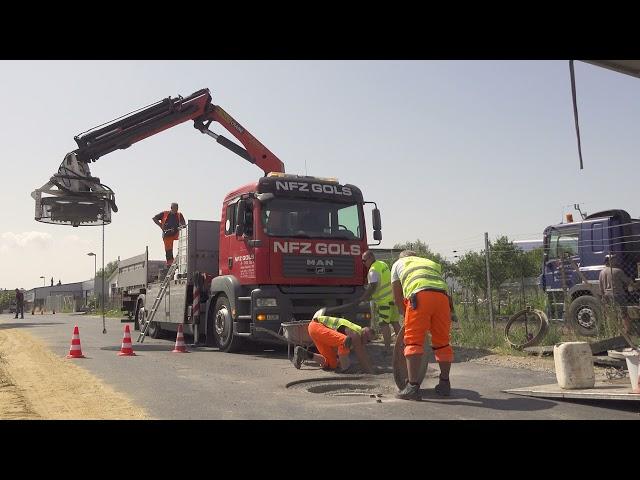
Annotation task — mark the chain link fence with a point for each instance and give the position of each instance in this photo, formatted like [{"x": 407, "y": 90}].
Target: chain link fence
[{"x": 62, "y": 303}]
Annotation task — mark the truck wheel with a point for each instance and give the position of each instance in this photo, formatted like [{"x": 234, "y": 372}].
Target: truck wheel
[
  {"x": 136, "y": 322},
  {"x": 223, "y": 327},
  {"x": 585, "y": 315},
  {"x": 154, "y": 330}
]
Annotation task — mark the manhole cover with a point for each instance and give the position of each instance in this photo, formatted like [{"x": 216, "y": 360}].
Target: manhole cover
[{"x": 342, "y": 387}]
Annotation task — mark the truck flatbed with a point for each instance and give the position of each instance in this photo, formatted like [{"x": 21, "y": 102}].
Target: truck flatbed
[{"x": 601, "y": 391}]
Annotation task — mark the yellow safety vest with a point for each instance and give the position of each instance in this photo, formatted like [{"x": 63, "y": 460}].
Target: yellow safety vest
[
  {"x": 421, "y": 274},
  {"x": 383, "y": 294},
  {"x": 334, "y": 323}
]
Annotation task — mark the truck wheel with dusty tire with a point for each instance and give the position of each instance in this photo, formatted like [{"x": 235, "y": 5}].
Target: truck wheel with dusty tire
[
  {"x": 153, "y": 330},
  {"x": 585, "y": 315},
  {"x": 136, "y": 317},
  {"x": 223, "y": 326}
]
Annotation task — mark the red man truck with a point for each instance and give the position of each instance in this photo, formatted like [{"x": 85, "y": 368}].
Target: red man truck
[{"x": 285, "y": 245}]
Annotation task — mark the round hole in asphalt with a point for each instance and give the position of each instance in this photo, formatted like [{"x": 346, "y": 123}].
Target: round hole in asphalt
[{"x": 342, "y": 387}]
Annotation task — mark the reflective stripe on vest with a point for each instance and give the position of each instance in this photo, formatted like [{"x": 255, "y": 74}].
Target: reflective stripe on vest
[
  {"x": 383, "y": 294},
  {"x": 420, "y": 273},
  {"x": 335, "y": 323}
]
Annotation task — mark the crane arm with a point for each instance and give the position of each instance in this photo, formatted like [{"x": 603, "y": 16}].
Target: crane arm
[{"x": 123, "y": 132}]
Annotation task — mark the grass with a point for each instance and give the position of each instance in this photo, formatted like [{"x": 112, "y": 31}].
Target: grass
[
  {"x": 477, "y": 333},
  {"x": 115, "y": 313}
]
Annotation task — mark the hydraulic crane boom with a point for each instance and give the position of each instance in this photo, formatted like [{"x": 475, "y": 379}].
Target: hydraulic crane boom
[
  {"x": 125, "y": 131},
  {"x": 77, "y": 198}
]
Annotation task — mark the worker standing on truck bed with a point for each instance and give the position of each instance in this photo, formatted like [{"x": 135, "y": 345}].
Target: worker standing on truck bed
[
  {"x": 334, "y": 337},
  {"x": 386, "y": 311},
  {"x": 421, "y": 295},
  {"x": 170, "y": 222}
]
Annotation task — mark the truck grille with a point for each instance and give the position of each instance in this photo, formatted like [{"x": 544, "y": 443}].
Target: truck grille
[{"x": 317, "y": 266}]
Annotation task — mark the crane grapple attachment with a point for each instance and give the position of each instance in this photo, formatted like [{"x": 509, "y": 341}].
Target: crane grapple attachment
[{"x": 73, "y": 197}]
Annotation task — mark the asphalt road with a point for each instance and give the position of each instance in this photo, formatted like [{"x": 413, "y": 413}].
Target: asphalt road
[{"x": 262, "y": 383}]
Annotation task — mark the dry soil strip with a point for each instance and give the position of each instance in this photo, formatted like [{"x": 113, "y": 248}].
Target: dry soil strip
[{"x": 36, "y": 384}]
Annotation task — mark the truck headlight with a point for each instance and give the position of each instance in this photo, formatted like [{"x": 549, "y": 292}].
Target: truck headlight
[
  {"x": 363, "y": 316},
  {"x": 266, "y": 302}
]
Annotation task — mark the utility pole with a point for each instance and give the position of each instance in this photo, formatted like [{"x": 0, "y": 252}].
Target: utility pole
[{"x": 489, "y": 296}]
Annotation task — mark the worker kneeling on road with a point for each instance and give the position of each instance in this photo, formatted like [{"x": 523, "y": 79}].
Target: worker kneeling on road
[
  {"x": 170, "y": 221},
  {"x": 420, "y": 293},
  {"x": 334, "y": 337}
]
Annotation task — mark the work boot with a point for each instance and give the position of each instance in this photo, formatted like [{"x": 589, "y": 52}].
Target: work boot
[
  {"x": 409, "y": 392},
  {"x": 299, "y": 355},
  {"x": 443, "y": 388},
  {"x": 350, "y": 369}
]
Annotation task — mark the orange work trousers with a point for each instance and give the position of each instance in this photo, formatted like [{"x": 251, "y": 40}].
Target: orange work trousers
[
  {"x": 329, "y": 342},
  {"x": 431, "y": 315},
  {"x": 168, "y": 247}
]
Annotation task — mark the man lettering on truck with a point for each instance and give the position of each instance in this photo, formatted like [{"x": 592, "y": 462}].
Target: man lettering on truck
[{"x": 170, "y": 222}]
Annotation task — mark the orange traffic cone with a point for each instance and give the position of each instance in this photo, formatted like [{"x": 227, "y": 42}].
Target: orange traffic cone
[
  {"x": 180, "y": 347},
  {"x": 126, "y": 349},
  {"x": 75, "y": 351}
]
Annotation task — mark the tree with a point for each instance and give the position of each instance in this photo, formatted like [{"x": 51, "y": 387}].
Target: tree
[
  {"x": 108, "y": 270},
  {"x": 470, "y": 271},
  {"x": 423, "y": 250}
]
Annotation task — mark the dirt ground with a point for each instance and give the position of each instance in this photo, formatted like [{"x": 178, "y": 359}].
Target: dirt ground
[{"x": 36, "y": 384}]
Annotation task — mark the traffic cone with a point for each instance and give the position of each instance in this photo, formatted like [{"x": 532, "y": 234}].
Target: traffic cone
[
  {"x": 75, "y": 351},
  {"x": 126, "y": 349},
  {"x": 180, "y": 347}
]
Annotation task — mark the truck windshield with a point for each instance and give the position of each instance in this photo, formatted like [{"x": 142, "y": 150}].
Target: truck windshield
[
  {"x": 561, "y": 242},
  {"x": 286, "y": 217}
]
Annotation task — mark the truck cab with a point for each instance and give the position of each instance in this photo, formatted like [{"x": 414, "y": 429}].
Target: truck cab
[
  {"x": 574, "y": 254},
  {"x": 289, "y": 245}
]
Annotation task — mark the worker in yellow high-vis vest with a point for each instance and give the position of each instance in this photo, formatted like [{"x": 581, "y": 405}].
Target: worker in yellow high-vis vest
[
  {"x": 334, "y": 337},
  {"x": 421, "y": 294},
  {"x": 384, "y": 308}
]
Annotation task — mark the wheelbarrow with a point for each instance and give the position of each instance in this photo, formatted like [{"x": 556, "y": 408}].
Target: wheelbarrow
[{"x": 293, "y": 334}]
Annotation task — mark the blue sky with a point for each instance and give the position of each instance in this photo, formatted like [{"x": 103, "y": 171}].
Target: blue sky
[{"x": 448, "y": 149}]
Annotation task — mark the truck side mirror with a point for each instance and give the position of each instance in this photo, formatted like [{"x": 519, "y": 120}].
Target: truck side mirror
[
  {"x": 240, "y": 215},
  {"x": 376, "y": 221},
  {"x": 377, "y": 235}
]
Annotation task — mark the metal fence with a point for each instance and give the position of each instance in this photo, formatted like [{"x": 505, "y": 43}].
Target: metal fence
[
  {"x": 62, "y": 303},
  {"x": 599, "y": 307}
]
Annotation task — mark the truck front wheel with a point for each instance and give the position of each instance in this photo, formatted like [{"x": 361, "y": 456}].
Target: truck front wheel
[
  {"x": 223, "y": 327},
  {"x": 585, "y": 315}
]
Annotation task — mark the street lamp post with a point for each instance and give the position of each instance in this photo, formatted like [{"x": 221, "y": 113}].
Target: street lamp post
[{"x": 91, "y": 254}]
